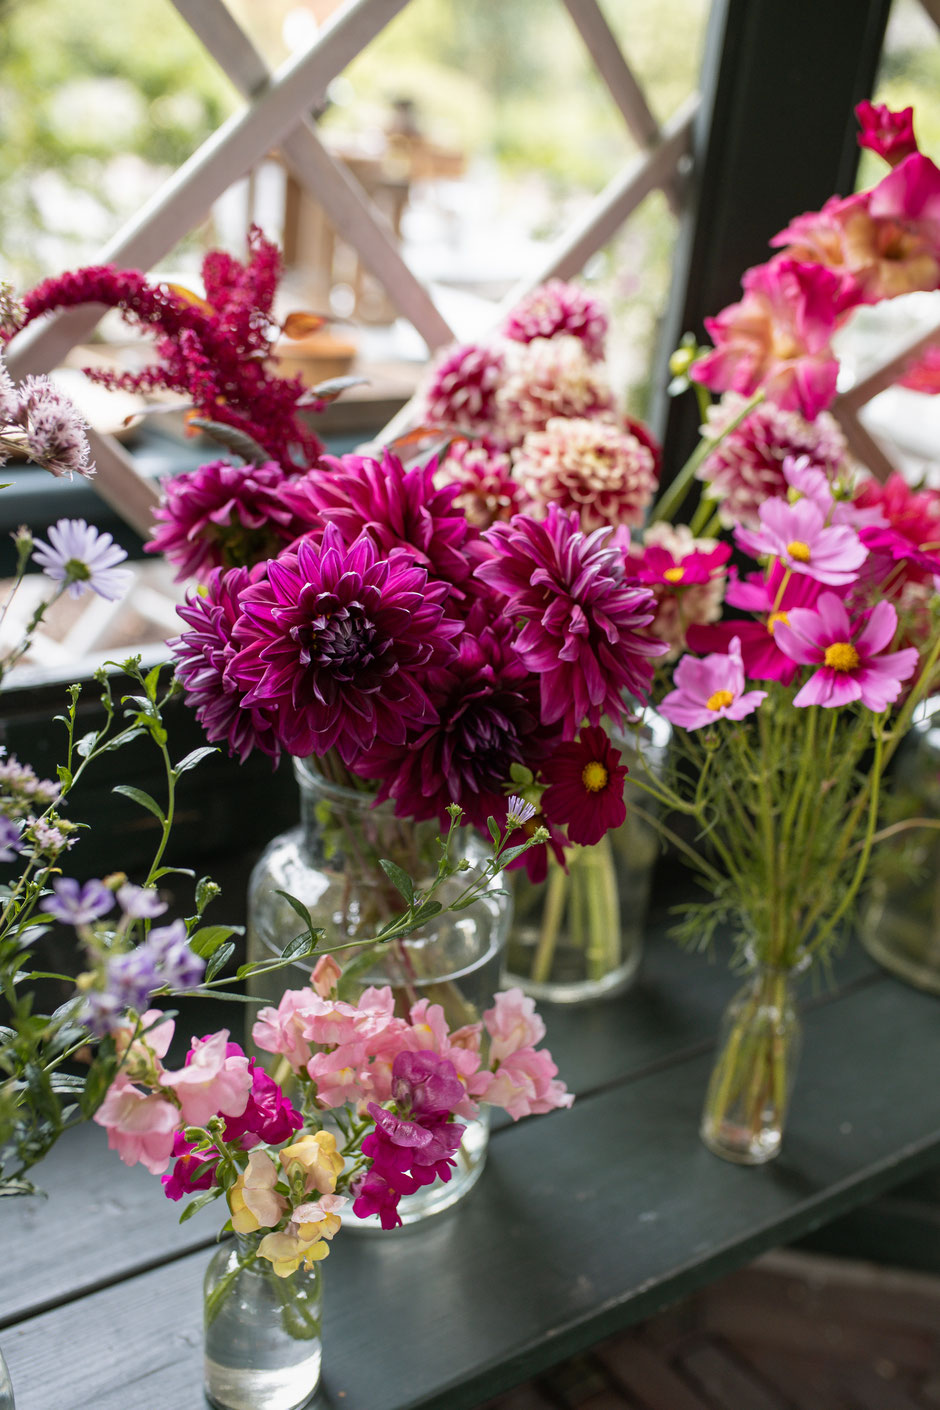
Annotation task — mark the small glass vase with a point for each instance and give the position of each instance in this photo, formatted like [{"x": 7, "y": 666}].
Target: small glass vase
[
  {"x": 6, "y": 1386},
  {"x": 579, "y": 934},
  {"x": 331, "y": 864},
  {"x": 755, "y": 1066},
  {"x": 261, "y": 1331}
]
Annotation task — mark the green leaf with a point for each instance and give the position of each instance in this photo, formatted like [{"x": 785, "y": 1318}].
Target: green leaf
[
  {"x": 302, "y": 945},
  {"x": 298, "y": 908},
  {"x": 521, "y": 775},
  {"x": 208, "y": 938},
  {"x": 493, "y": 830},
  {"x": 195, "y": 757},
  {"x": 511, "y": 853},
  {"x": 137, "y": 795},
  {"x": 206, "y": 891},
  {"x": 120, "y": 740},
  {"x": 152, "y": 680},
  {"x": 65, "y": 775},
  {"x": 200, "y": 1202},
  {"x": 426, "y": 910},
  {"x": 219, "y": 959},
  {"x": 86, "y": 744},
  {"x": 66, "y": 1082},
  {"x": 400, "y": 879},
  {"x": 172, "y": 871}
]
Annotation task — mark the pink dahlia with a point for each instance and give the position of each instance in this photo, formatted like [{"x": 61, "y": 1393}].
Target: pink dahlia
[
  {"x": 849, "y": 670},
  {"x": 889, "y": 133},
  {"x": 461, "y": 388},
  {"x": 549, "y": 377},
  {"x": 747, "y": 466},
  {"x": 223, "y": 516},
  {"x": 556, "y": 307},
  {"x": 203, "y": 656},
  {"x": 336, "y": 643},
  {"x": 584, "y": 619},
  {"x": 798, "y": 536},
  {"x": 398, "y": 508},
  {"x": 606, "y": 474},
  {"x": 711, "y": 689},
  {"x": 778, "y": 337},
  {"x": 686, "y": 576},
  {"x": 585, "y": 787},
  {"x": 486, "y": 490},
  {"x": 771, "y": 596}
]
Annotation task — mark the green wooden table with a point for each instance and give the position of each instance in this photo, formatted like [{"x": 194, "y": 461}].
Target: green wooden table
[{"x": 584, "y": 1221}]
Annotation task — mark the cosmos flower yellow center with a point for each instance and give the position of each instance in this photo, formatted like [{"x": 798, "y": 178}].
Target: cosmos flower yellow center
[
  {"x": 841, "y": 656},
  {"x": 774, "y": 618},
  {"x": 799, "y": 551},
  {"x": 674, "y": 575},
  {"x": 594, "y": 776},
  {"x": 720, "y": 700}
]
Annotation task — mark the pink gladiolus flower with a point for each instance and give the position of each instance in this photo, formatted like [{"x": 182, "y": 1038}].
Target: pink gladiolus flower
[
  {"x": 858, "y": 669},
  {"x": 777, "y": 337},
  {"x": 797, "y": 535},
  {"x": 140, "y": 1127},
  {"x": 889, "y": 133},
  {"x": 212, "y": 1083},
  {"x": 709, "y": 690}
]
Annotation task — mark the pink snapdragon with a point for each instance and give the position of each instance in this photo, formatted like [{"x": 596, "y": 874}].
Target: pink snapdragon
[
  {"x": 710, "y": 689},
  {"x": 889, "y": 133},
  {"x": 212, "y": 1083},
  {"x": 141, "y": 1127},
  {"x": 797, "y": 535},
  {"x": 853, "y": 664}
]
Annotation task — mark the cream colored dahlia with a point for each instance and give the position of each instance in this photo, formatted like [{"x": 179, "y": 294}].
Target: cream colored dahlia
[
  {"x": 595, "y": 467},
  {"x": 546, "y": 378}
]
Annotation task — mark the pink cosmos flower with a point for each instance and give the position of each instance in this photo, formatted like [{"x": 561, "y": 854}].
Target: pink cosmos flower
[
  {"x": 777, "y": 337},
  {"x": 889, "y": 133},
  {"x": 858, "y": 669},
  {"x": 763, "y": 660},
  {"x": 797, "y": 535},
  {"x": 212, "y": 1082},
  {"x": 140, "y": 1127},
  {"x": 710, "y": 689}
]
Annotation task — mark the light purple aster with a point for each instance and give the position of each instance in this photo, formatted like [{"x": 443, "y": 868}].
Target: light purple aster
[
  {"x": 583, "y": 617},
  {"x": 178, "y": 966},
  {"x": 9, "y": 839},
  {"x": 52, "y": 429},
  {"x": 74, "y": 904},
  {"x": 79, "y": 556},
  {"x": 141, "y": 902}
]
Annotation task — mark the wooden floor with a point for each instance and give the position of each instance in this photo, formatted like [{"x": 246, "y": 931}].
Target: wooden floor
[{"x": 792, "y": 1332}]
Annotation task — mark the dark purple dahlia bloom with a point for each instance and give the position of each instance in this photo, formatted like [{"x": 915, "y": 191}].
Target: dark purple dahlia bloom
[
  {"x": 336, "y": 643},
  {"x": 583, "y": 617},
  {"x": 398, "y": 508},
  {"x": 203, "y": 656},
  {"x": 223, "y": 516}
]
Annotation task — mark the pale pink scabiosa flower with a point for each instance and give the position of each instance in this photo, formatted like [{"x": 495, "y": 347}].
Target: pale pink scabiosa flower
[
  {"x": 223, "y": 516},
  {"x": 557, "y": 307},
  {"x": 778, "y": 337},
  {"x": 461, "y": 388},
  {"x": 51, "y": 430},
  {"x": 486, "y": 490},
  {"x": 606, "y": 474},
  {"x": 584, "y": 618},
  {"x": 686, "y": 576},
  {"x": 858, "y": 669},
  {"x": 335, "y": 642},
  {"x": 549, "y": 377},
  {"x": 889, "y": 133},
  {"x": 203, "y": 656},
  {"x": 585, "y": 787},
  {"x": 710, "y": 689},
  {"x": 747, "y": 466},
  {"x": 78, "y": 556},
  {"x": 797, "y": 535}
]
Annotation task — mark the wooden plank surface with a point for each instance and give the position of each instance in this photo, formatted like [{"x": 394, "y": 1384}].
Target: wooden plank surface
[{"x": 583, "y": 1222}]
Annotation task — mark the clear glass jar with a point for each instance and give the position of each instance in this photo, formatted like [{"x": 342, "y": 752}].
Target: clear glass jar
[
  {"x": 331, "y": 863},
  {"x": 755, "y": 1066},
  {"x": 900, "y": 924},
  {"x": 579, "y": 934},
  {"x": 261, "y": 1332},
  {"x": 6, "y": 1386}
]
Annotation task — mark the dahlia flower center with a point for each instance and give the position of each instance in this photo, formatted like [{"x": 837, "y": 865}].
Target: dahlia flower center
[
  {"x": 720, "y": 700},
  {"x": 594, "y": 776},
  {"x": 841, "y": 656},
  {"x": 674, "y": 575},
  {"x": 799, "y": 550},
  {"x": 776, "y": 617},
  {"x": 343, "y": 639}
]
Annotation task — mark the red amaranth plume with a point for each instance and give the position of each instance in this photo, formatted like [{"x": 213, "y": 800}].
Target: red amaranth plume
[{"x": 214, "y": 351}]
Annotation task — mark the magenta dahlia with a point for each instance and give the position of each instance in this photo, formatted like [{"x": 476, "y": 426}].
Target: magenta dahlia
[
  {"x": 337, "y": 641},
  {"x": 556, "y": 307},
  {"x": 398, "y": 508},
  {"x": 486, "y": 490},
  {"x": 223, "y": 516},
  {"x": 583, "y": 618},
  {"x": 549, "y": 377},
  {"x": 585, "y": 787},
  {"x": 461, "y": 387},
  {"x": 607, "y": 475},
  {"x": 203, "y": 656},
  {"x": 747, "y": 467}
]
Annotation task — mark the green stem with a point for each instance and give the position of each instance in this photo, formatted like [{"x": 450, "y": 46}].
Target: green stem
[
  {"x": 556, "y": 891},
  {"x": 672, "y": 499}
]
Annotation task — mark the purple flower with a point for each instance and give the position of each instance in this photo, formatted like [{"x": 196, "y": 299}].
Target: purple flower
[
  {"x": 79, "y": 556},
  {"x": 336, "y": 643},
  {"x": 858, "y": 669},
  {"x": 269, "y": 1115},
  {"x": 54, "y": 432},
  {"x": 132, "y": 977},
  {"x": 797, "y": 535},
  {"x": 203, "y": 656},
  {"x": 9, "y": 839},
  {"x": 190, "y": 1172},
  {"x": 74, "y": 904},
  {"x": 583, "y": 616},
  {"x": 141, "y": 902},
  {"x": 177, "y": 965},
  {"x": 425, "y": 1085},
  {"x": 518, "y": 811}
]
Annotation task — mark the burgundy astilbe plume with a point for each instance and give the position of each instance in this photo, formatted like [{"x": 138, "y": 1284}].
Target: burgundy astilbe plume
[
  {"x": 203, "y": 655},
  {"x": 214, "y": 352},
  {"x": 337, "y": 641},
  {"x": 584, "y": 619}
]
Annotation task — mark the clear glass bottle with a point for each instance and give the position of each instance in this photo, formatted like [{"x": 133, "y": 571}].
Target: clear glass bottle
[
  {"x": 755, "y": 1066},
  {"x": 261, "y": 1331},
  {"x": 579, "y": 934},
  {"x": 331, "y": 863},
  {"x": 6, "y": 1386}
]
